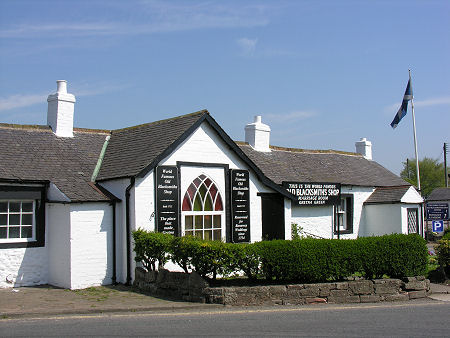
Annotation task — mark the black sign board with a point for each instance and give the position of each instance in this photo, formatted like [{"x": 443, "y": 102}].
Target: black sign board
[
  {"x": 437, "y": 211},
  {"x": 167, "y": 199},
  {"x": 314, "y": 194},
  {"x": 240, "y": 206}
]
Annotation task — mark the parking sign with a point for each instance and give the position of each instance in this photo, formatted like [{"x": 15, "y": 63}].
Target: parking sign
[{"x": 438, "y": 226}]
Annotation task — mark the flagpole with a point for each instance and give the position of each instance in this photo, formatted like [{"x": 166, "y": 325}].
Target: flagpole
[{"x": 415, "y": 138}]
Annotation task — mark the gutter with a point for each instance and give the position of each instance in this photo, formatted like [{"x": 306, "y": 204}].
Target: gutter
[{"x": 128, "y": 226}]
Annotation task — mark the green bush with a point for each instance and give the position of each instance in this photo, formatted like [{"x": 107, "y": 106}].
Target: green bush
[
  {"x": 301, "y": 260},
  {"x": 443, "y": 255},
  {"x": 394, "y": 255},
  {"x": 151, "y": 248}
]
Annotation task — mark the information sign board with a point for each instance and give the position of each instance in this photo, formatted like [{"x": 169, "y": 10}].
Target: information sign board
[
  {"x": 167, "y": 199},
  {"x": 240, "y": 206},
  {"x": 437, "y": 211},
  {"x": 314, "y": 193}
]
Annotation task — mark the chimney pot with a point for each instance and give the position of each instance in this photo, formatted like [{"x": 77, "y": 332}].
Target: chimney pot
[{"x": 61, "y": 86}]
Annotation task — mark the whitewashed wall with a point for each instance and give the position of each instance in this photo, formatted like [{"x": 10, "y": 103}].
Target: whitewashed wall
[
  {"x": 58, "y": 229},
  {"x": 118, "y": 187},
  {"x": 319, "y": 220},
  {"x": 91, "y": 244},
  {"x": 213, "y": 150},
  {"x": 382, "y": 219},
  {"x": 25, "y": 266}
]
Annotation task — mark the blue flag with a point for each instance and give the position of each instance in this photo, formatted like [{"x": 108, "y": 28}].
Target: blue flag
[{"x": 402, "y": 111}]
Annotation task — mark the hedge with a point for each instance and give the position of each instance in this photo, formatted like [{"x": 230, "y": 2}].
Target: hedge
[{"x": 301, "y": 260}]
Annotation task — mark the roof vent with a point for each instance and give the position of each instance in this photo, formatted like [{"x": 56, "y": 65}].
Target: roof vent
[
  {"x": 364, "y": 147},
  {"x": 60, "y": 110},
  {"x": 257, "y": 134}
]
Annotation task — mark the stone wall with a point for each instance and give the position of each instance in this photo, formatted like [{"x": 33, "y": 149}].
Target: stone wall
[{"x": 192, "y": 287}]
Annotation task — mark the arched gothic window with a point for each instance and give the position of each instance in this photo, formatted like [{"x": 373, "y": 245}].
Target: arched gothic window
[{"x": 202, "y": 209}]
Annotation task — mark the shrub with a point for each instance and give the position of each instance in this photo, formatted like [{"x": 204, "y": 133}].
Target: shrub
[
  {"x": 443, "y": 255},
  {"x": 304, "y": 259},
  {"x": 394, "y": 255},
  {"x": 151, "y": 248}
]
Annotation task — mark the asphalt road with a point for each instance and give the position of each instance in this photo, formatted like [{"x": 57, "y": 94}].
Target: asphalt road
[{"x": 424, "y": 318}]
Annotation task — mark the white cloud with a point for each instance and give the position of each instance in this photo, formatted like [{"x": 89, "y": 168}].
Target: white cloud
[
  {"x": 247, "y": 46},
  {"x": 19, "y": 101},
  {"x": 443, "y": 100},
  {"x": 289, "y": 117},
  {"x": 149, "y": 17},
  {"x": 25, "y": 100}
]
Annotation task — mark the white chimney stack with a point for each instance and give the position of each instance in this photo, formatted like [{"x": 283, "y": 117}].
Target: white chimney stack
[
  {"x": 60, "y": 110},
  {"x": 257, "y": 134},
  {"x": 364, "y": 147}
]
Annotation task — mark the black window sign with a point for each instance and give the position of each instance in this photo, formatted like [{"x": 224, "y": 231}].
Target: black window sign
[
  {"x": 314, "y": 194},
  {"x": 167, "y": 199},
  {"x": 437, "y": 211},
  {"x": 240, "y": 206}
]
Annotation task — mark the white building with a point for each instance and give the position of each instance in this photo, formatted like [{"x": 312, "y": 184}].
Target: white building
[{"x": 70, "y": 197}]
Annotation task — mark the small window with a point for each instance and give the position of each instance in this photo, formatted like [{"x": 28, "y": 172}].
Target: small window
[
  {"x": 412, "y": 214},
  {"x": 344, "y": 216},
  {"x": 17, "y": 221}
]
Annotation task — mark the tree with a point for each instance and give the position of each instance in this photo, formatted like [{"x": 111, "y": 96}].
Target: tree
[{"x": 431, "y": 174}]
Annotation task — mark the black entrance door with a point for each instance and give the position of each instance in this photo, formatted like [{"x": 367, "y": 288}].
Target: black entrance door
[{"x": 272, "y": 216}]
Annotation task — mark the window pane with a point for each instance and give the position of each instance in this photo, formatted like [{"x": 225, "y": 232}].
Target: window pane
[
  {"x": 199, "y": 234},
  {"x": 208, "y": 221},
  {"x": 217, "y": 235},
  {"x": 27, "y": 219},
  {"x": 208, "y": 182},
  {"x": 198, "y": 222},
  {"x": 202, "y": 191},
  {"x": 14, "y": 206},
  {"x": 27, "y": 206},
  {"x": 3, "y": 206},
  {"x": 213, "y": 191},
  {"x": 191, "y": 191},
  {"x": 186, "y": 203},
  {"x": 197, "y": 182},
  {"x": 208, "y": 204},
  {"x": 198, "y": 203},
  {"x": 14, "y": 219},
  {"x": 3, "y": 232},
  {"x": 217, "y": 221},
  {"x": 14, "y": 232},
  {"x": 27, "y": 232},
  {"x": 218, "y": 206},
  {"x": 188, "y": 222},
  {"x": 3, "y": 219},
  {"x": 189, "y": 233},
  {"x": 208, "y": 235}
]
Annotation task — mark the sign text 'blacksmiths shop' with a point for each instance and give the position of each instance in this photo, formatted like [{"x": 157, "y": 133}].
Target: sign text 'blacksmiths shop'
[
  {"x": 167, "y": 199},
  {"x": 314, "y": 194}
]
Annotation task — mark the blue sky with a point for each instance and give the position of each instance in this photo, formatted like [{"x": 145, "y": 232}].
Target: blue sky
[{"x": 322, "y": 74}]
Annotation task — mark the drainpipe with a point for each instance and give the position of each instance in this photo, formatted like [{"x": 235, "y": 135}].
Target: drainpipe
[
  {"x": 114, "y": 272},
  {"x": 128, "y": 226}
]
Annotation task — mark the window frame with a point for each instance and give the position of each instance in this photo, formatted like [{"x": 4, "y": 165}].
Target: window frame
[
  {"x": 204, "y": 213},
  {"x": 8, "y": 214},
  {"x": 347, "y": 213},
  {"x": 36, "y": 194}
]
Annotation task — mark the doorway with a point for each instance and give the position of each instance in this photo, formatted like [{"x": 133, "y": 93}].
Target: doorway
[{"x": 272, "y": 206}]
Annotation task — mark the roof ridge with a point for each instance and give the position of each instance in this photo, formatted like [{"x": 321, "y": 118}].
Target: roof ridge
[
  {"x": 313, "y": 151},
  {"x": 25, "y": 126},
  {"x": 200, "y": 112},
  {"x": 90, "y": 130}
]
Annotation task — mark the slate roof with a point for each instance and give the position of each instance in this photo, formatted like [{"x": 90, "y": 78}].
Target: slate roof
[
  {"x": 439, "y": 194},
  {"x": 133, "y": 149},
  {"x": 287, "y": 164},
  {"x": 35, "y": 153},
  {"x": 387, "y": 195}
]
